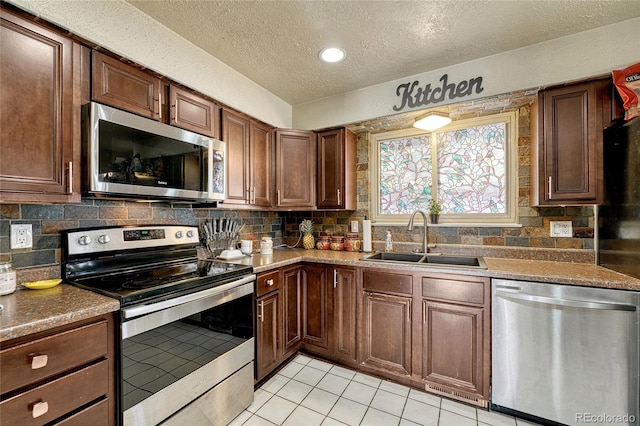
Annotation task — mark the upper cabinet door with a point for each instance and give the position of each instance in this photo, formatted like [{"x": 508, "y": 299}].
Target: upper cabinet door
[
  {"x": 337, "y": 170},
  {"x": 570, "y": 152},
  {"x": 123, "y": 86},
  {"x": 295, "y": 168},
  {"x": 192, "y": 112},
  {"x": 260, "y": 164},
  {"x": 235, "y": 132},
  {"x": 40, "y": 113}
]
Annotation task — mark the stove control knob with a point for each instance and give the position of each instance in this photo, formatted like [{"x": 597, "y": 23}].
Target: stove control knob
[
  {"x": 189, "y": 234},
  {"x": 84, "y": 240},
  {"x": 179, "y": 234},
  {"x": 104, "y": 239}
]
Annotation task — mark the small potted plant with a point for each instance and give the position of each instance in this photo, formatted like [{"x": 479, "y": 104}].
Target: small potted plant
[{"x": 435, "y": 208}]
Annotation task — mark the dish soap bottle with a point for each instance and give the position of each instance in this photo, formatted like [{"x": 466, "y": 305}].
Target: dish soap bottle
[{"x": 388, "y": 244}]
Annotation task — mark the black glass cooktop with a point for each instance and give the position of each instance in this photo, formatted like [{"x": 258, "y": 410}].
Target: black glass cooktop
[{"x": 158, "y": 282}]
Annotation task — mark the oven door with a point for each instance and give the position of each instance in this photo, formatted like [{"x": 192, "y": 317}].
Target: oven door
[{"x": 175, "y": 351}]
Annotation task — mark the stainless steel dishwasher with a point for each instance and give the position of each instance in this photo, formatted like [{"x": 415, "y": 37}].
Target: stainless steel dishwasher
[{"x": 564, "y": 353}]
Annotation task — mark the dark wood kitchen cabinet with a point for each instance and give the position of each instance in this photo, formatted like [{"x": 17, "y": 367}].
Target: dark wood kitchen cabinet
[
  {"x": 295, "y": 169},
  {"x": 386, "y": 323},
  {"x": 336, "y": 187},
  {"x": 291, "y": 302},
  {"x": 343, "y": 318},
  {"x": 120, "y": 84},
  {"x": 249, "y": 161},
  {"x": 194, "y": 113},
  {"x": 62, "y": 376},
  {"x": 329, "y": 312},
  {"x": 571, "y": 120},
  {"x": 40, "y": 87},
  {"x": 455, "y": 333},
  {"x": 123, "y": 86},
  {"x": 268, "y": 323},
  {"x": 315, "y": 308}
]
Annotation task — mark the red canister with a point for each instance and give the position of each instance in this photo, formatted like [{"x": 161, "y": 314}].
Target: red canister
[
  {"x": 351, "y": 242},
  {"x": 337, "y": 243}
]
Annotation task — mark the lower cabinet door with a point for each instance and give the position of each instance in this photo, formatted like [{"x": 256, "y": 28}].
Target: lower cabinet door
[
  {"x": 344, "y": 314},
  {"x": 315, "y": 307},
  {"x": 453, "y": 350},
  {"x": 292, "y": 320},
  {"x": 267, "y": 335},
  {"x": 386, "y": 332}
]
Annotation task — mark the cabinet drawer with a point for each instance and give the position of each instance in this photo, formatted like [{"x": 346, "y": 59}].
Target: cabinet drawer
[
  {"x": 59, "y": 396},
  {"x": 268, "y": 282},
  {"x": 95, "y": 415},
  {"x": 387, "y": 282},
  {"x": 36, "y": 360},
  {"x": 471, "y": 290}
]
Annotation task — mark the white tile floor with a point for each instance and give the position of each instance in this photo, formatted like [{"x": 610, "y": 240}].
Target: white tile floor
[{"x": 308, "y": 392}]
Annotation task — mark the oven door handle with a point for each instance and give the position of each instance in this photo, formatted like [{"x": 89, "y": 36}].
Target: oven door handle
[{"x": 136, "y": 311}]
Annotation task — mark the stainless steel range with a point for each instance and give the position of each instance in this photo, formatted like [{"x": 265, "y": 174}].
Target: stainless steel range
[{"x": 186, "y": 326}]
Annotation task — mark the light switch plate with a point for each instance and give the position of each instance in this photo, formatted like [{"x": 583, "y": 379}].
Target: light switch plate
[
  {"x": 561, "y": 228},
  {"x": 354, "y": 226},
  {"x": 21, "y": 236}
]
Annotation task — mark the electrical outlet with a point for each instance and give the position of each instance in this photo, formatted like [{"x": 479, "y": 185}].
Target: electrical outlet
[
  {"x": 354, "y": 226},
  {"x": 561, "y": 228},
  {"x": 21, "y": 236}
]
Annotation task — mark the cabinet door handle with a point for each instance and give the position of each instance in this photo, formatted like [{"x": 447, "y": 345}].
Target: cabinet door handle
[
  {"x": 39, "y": 361},
  {"x": 278, "y": 196},
  {"x": 261, "y": 312},
  {"x": 408, "y": 313},
  {"x": 270, "y": 282},
  {"x": 247, "y": 199},
  {"x": 253, "y": 191},
  {"x": 339, "y": 198},
  {"x": 70, "y": 178},
  {"x": 39, "y": 408},
  {"x": 335, "y": 278},
  {"x": 549, "y": 184},
  {"x": 160, "y": 104}
]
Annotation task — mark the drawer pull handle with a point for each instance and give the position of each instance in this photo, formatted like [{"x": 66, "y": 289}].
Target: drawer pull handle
[
  {"x": 270, "y": 282},
  {"x": 39, "y": 408},
  {"x": 39, "y": 361}
]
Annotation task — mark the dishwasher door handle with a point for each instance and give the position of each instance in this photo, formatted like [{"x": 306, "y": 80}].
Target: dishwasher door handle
[{"x": 567, "y": 302}]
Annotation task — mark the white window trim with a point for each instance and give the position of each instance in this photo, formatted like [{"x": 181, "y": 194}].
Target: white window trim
[{"x": 510, "y": 218}]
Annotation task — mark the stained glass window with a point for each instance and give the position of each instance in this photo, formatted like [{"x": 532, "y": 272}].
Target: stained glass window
[
  {"x": 405, "y": 174},
  {"x": 473, "y": 160},
  {"x": 472, "y": 169}
]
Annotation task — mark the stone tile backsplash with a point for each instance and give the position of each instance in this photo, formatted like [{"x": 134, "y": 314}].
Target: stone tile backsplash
[{"x": 530, "y": 240}]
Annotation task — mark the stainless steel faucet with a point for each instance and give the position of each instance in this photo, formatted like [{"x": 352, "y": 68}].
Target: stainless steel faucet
[{"x": 425, "y": 232}]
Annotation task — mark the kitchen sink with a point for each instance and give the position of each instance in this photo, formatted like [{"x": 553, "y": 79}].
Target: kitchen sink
[
  {"x": 396, "y": 257},
  {"x": 431, "y": 259}
]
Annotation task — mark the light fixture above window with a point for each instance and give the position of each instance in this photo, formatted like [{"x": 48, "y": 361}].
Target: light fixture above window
[
  {"x": 332, "y": 54},
  {"x": 432, "y": 121}
]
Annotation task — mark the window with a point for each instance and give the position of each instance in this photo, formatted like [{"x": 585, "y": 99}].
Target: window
[{"x": 469, "y": 166}]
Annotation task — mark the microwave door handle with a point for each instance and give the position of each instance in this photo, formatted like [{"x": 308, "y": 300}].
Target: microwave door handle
[{"x": 210, "y": 171}]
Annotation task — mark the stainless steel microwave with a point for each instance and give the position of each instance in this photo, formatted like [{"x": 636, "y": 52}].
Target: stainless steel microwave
[{"x": 127, "y": 155}]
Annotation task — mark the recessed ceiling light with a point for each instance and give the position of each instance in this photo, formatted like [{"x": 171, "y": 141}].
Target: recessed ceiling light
[{"x": 332, "y": 54}]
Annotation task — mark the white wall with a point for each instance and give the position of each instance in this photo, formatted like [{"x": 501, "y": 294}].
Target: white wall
[
  {"x": 591, "y": 53},
  {"x": 125, "y": 30}
]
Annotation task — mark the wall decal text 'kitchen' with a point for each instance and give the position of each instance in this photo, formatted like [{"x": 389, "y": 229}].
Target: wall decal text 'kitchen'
[{"x": 412, "y": 97}]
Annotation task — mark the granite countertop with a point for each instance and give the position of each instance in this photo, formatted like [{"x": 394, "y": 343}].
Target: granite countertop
[
  {"x": 583, "y": 274},
  {"x": 30, "y": 311}
]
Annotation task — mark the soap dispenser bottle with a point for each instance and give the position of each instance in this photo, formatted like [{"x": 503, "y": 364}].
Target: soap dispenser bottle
[{"x": 388, "y": 244}]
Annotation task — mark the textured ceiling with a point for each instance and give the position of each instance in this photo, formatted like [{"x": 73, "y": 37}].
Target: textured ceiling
[{"x": 276, "y": 43}]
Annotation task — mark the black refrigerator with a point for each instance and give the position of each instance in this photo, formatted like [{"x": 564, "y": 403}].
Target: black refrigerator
[{"x": 619, "y": 215}]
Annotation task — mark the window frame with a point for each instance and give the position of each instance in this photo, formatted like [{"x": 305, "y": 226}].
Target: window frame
[{"x": 509, "y": 218}]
